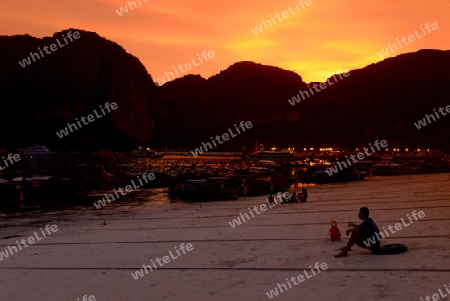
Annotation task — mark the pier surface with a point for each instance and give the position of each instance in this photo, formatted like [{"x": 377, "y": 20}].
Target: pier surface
[{"x": 95, "y": 251}]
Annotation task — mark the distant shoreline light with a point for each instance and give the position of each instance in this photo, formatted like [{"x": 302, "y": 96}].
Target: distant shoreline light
[{"x": 285, "y": 14}]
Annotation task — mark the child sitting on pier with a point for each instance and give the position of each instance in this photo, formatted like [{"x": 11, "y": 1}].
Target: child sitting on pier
[{"x": 335, "y": 233}]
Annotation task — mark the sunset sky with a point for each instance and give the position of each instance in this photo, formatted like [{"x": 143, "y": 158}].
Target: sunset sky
[{"x": 319, "y": 40}]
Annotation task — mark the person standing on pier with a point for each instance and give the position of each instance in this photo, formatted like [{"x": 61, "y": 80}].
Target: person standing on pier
[{"x": 18, "y": 197}]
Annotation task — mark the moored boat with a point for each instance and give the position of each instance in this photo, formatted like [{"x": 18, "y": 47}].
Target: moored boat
[
  {"x": 35, "y": 151},
  {"x": 318, "y": 174},
  {"x": 274, "y": 156},
  {"x": 146, "y": 153},
  {"x": 389, "y": 169},
  {"x": 204, "y": 189}
]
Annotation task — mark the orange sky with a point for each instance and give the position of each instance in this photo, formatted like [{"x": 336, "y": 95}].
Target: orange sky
[{"x": 327, "y": 37}]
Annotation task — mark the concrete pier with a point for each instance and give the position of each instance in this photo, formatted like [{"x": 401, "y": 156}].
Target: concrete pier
[{"x": 95, "y": 251}]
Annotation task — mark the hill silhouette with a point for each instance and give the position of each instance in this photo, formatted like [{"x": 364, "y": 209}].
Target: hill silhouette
[
  {"x": 380, "y": 101},
  {"x": 71, "y": 82}
]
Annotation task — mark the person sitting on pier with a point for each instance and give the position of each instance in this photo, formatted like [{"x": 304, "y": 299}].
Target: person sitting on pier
[
  {"x": 293, "y": 198},
  {"x": 360, "y": 234},
  {"x": 271, "y": 200},
  {"x": 285, "y": 197},
  {"x": 304, "y": 195}
]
